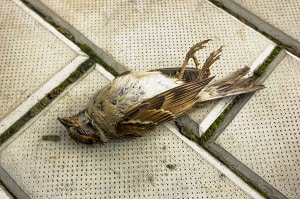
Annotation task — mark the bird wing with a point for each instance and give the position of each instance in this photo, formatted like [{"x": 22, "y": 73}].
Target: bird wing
[
  {"x": 162, "y": 107},
  {"x": 189, "y": 75}
]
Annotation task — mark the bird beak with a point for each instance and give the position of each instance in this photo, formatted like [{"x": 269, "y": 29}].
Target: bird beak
[{"x": 66, "y": 121}]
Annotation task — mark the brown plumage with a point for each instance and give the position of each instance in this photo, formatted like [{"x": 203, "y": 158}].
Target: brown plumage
[{"x": 135, "y": 103}]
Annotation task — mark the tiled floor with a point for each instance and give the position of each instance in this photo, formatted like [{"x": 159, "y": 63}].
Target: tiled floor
[
  {"x": 281, "y": 14},
  {"x": 141, "y": 35},
  {"x": 144, "y": 167},
  {"x": 268, "y": 140},
  {"x": 30, "y": 56},
  {"x": 146, "y": 35}
]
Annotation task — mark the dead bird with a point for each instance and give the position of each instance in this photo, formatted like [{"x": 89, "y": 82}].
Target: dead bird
[{"x": 134, "y": 103}]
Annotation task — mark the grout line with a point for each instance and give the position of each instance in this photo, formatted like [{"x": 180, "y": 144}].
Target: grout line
[
  {"x": 12, "y": 123},
  {"x": 216, "y": 163},
  {"x": 252, "y": 178},
  {"x": 11, "y": 185},
  {"x": 214, "y": 114},
  {"x": 223, "y": 103},
  {"x": 245, "y": 98},
  {"x": 41, "y": 92},
  {"x": 260, "y": 74},
  {"x": 55, "y": 80},
  {"x": 247, "y": 174},
  {"x": 95, "y": 53},
  {"x": 34, "y": 98},
  {"x": 104, "y": 72},
  {"x": 33, "y": 119},
  {"x": 262, "y": 57},
  {"x": 294, "y": 56},
  {"x": 5, "y": 192},
  {"x": 258, "y": 24}
]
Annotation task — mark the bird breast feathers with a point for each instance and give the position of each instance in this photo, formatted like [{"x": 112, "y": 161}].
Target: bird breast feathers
[{"x": 146, "y": 84}]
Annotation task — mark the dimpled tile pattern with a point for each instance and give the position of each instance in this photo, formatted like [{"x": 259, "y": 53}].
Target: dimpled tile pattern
[
  {"x": 284, "y": 15},
  {"x": 268, "y": 139},
  {"x": 30, "y": 55},
  {"x": 149, "y": 34},
  {"x": 159, "y": 165}
]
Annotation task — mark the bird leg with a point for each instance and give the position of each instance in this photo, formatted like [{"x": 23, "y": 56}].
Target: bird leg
[
  {"x": 205, "y": 71},
  {"x": 191, "y": 54}
]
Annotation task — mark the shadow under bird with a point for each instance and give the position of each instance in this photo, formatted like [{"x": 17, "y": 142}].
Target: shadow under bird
[{"x": 134, "y": 103}]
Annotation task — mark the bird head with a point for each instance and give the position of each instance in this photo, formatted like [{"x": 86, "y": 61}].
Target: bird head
[{"x": 81, "y": 128}]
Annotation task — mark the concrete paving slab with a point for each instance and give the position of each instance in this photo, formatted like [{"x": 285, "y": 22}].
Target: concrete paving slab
[
  {"x": 159, "y": 165},
  {"x": 144, "y": 35},
  {"x": 208, "y": 114},
  {"x": 34, "y": 59},
  {"x": 282, "y": 14},
  {"x": 147, "y": 35},
  {"x": 264, "y": 135},
  {"x": 290, "y": 43}
]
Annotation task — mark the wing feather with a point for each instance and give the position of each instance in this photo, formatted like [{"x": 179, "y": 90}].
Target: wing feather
[
  {"x": 189, "y": 75},
  {"x": 163, "y": 107}
]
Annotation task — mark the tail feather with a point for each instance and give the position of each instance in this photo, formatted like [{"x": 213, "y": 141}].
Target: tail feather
[{"x": 235, "y": 84}]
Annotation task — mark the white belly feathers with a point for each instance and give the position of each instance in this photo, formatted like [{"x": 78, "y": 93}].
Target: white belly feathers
[{"x": 145, "y": 85}]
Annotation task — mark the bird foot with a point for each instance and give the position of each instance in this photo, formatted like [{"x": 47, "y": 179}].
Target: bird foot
[
  {"x": 191, "y": 55},
  {"x": 213, "y": 57},
  {"x": 205, "y": 71}
]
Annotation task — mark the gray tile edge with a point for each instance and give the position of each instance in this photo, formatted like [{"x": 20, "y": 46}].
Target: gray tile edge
[
  {"x": 5, "y": 192},
  {"x": 199, "y": 129},
  {"x": 234, "y": 164},
  {"x": 61, "y": 95},
  {"x": 5, "y": 178},
  {"x": 41, "y": 92},
  {"x": 187, "y": 122},
  {"x": 10, "y": 184},
  {"x": 96, "y": 67},
  {"x": 223, "y": 103},
  {"x": 104, "y": 72},
  {"x": 249, "y": 176},
  {"x": 51, "y": 83},
  {"x": 205, "y": 154},
  {"x": 107, "y": 58},
  {"x": 292, "y": 44},
  {"x": 244, "y": 98}
]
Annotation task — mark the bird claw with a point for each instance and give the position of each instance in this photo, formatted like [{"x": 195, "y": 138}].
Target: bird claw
[
  {"x": 191, "y": 55},
  {"x": 213, "y": 57},
  {"x": 205, "y": 71}
]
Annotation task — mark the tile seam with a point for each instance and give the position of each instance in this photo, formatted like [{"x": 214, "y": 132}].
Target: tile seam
[
  {"x": 259, "y": 25},
  {"x": 41, "y": 92},
  {"x": 216, "y": 163},
  {"x": 223, "y": 103},
  {"x": 87, "y": 46}
]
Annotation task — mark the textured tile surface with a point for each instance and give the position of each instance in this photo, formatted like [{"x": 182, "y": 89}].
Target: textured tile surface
[
  {"x": 284, "y": 15},
  {"x": 144, "y": 35},
  {"x": 265, "y": 134},
  {"x": 159, "y": 165},
  {"x": 30, "y": 56}
]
